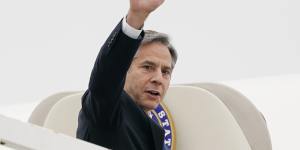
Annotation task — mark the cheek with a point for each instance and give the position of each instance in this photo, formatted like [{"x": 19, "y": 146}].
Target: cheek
[
  {"x": 139, "y": 80},
  {"x": 166, "y": 85}
]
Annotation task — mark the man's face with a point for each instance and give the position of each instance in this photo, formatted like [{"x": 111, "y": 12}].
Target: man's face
[{"x": 149, "y": 75}]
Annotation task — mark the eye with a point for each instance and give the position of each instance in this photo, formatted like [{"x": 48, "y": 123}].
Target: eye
[
  {"x": 147, "y": 67},
  {"x": 166, "y": 72}
]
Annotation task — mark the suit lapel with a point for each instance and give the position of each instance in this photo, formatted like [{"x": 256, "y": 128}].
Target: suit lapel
[
  {"x": 158, "y": 135},
  {"x": 157, "y": 132}
]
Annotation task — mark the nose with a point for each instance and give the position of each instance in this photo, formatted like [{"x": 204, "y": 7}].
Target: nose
[{"x": 157, "y": 77}]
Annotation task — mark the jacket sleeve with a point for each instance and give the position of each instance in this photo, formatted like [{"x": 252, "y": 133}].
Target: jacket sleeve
[{"x": 100, "y": 103}]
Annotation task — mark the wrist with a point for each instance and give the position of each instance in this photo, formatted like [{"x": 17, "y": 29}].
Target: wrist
[{"x": 136, "y": 19}]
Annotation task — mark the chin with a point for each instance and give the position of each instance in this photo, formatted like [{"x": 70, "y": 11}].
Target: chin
[{"x": 149, "y": 107}]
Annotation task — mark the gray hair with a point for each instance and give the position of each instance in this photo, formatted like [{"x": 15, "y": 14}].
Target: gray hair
[{"x": 153, "y": 36}]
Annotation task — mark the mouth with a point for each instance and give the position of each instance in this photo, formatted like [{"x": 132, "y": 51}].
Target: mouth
[{"x": 153, "y": 94}]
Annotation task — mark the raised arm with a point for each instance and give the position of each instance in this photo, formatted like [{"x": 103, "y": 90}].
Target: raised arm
[{"x": 108, "y": 76}]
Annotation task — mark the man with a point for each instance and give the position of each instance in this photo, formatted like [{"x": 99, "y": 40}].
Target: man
[{"x": 130, "y": 77}]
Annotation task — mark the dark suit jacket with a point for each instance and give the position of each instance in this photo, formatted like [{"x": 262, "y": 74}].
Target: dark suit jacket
[{"x": 109, "y": 117}]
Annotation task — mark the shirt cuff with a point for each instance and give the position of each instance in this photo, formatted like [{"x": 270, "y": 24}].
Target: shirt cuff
[{"x": 130, "y": 31}]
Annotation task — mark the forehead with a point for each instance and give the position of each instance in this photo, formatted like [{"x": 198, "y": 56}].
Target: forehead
[{"x": 154, "y": 52}]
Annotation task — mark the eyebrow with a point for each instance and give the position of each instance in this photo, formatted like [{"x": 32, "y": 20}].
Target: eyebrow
[{"x": 149, "y": 62}]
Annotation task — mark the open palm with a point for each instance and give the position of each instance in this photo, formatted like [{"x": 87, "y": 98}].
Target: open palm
[{"x": 145, "y": 6}]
